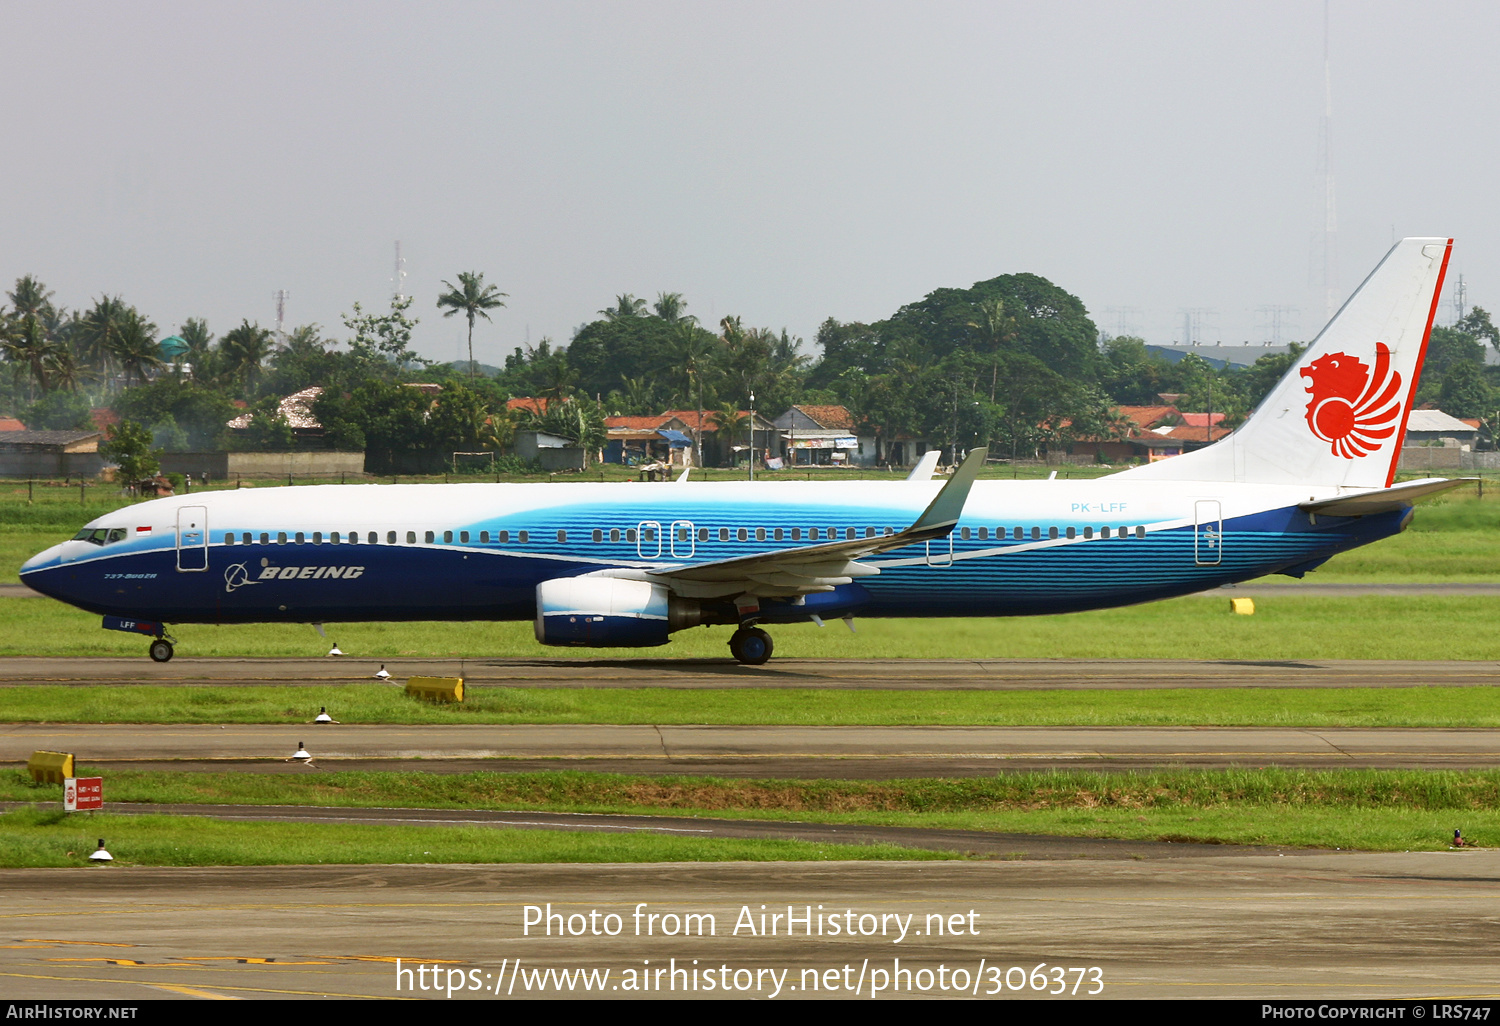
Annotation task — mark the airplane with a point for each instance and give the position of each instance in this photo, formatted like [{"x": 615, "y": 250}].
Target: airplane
[{"x": 1308, "y": 475}]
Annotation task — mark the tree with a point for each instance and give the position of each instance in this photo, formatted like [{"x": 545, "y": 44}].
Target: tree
[
  {"x": 244, "y": 352},
  {"x": 472, "y": 297},
  {"x": 669, "y": 307},
  {"x": 134, "y": 345},
  {"x": 1465, "y": 392},
  {"x": 130, "y": 449},
  {"x": 625, "y": 306},
  {"x": 388, "y": 336}
]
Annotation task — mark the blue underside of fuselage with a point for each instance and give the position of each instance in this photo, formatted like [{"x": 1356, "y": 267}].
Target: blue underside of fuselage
[{"x": 498, "y": 582}]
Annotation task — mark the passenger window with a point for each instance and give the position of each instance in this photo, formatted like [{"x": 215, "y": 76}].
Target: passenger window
[
  {"x": 447, "y": 537},
  {"x": 614, "y": 534},
  {"x": 1072, "y": 533},
  {"x": 523, "y": 537},
  {"x": 562, "y": 536},
  {"x": 390, "y": 537},
  {"x": 760, "y": 534},
  {"x": 778, "y": 534},
  {"x": 317, "y": 538},
  {"x": 463, "y": 536},
  {"x": 333, "y": 538},
  {"x": 742, "y": 534},
  {"x": 301, "y": 538},
  {"x": 411, "y": 537},
  {"x": 503, "y": 536},
  {"x": 428, "y": 537},
  {"x": 647, "y": 534},
  {"x": 1088, "y": 532},
  {"x": 889, "y": 531},
  {"x": 1018, "y": 534},
  {"x": 1104, "y": 532},
  {"x": 1036, "y": 534},
  {"x": 1140, "y": 532},
  {"x": 1052, "y": 532},
  {"x": 984, "y": 533},
  {"x": 703, "y": 534},
  {"x": 812, "y": 533},
  {"x": 228, "y": 538},
  {"x": 964, "y": 533},
  {"x": 1123, "y": 532},
  {"x": 869, "y": 532},
  {"x": 265, "y": 539},
  {"x": 630, "y": 534},
  {"x": 484, "y": 536},
  {"x": 723, "y": 534},
  {"x": 848, "y": 532},
  {"x": 280, "y": 537},
  {"x": 373, "y": 538},
  {"x": 796, "y": 534},
  {"x": 598, "y": 535}
]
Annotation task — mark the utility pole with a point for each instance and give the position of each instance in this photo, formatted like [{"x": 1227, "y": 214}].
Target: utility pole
[
  {"x": 399, "y": 280},
  {"x": 752, "y": 434}
]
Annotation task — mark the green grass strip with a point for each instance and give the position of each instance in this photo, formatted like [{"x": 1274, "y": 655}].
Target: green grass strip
[
  {"x": 1197, "y": 627},
  {"x": 375, "y": 703},
  {"x": 1377, "y": 810},
  {"x": 42, "y": 838}
]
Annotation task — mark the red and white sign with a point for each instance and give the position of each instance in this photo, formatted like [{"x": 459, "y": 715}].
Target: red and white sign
[{"x": 82, "y": 794}]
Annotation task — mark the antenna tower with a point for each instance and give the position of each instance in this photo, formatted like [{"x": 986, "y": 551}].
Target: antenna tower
[
  {"x": 1460, "y": 299},
  {"x": 282, "y": 295},
  {"x": 399, "y": 280}
]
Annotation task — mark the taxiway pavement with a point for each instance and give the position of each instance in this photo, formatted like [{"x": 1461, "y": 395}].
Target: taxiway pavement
[{"x": 1263, "y": 927}]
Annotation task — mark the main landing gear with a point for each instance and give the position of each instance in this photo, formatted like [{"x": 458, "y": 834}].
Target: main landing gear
[
  {"x": 161, "y": 650},
  {"x": 751, "y": 645}
]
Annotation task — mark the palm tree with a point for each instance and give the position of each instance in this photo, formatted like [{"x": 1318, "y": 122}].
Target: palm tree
[
  {"x": 135, "y": 346},
  {"x": 625, "y": 306},
  {"x": 728, "y": 419},
  {"x": 690, "y": 355},
  {"x": 669, "y": 307},
  {"x": 99, "y": 333},
  {"x": 473, "y": 297},
  {"x": 996, "y": 328},
  {"x": 244, "y": 349}
]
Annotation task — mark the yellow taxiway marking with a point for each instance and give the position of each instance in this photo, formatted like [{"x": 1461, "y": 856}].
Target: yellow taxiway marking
[
  {"x": 163, "y": 983},
  {"x": 190, "y": 992},
  {"x": 91, "y": 944}
]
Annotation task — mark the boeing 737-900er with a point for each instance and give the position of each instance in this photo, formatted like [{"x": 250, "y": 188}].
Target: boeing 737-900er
[{"x": 1308, "y": 475}]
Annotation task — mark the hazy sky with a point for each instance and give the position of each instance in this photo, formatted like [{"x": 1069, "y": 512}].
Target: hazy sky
[{"x": 785, "y": 162}]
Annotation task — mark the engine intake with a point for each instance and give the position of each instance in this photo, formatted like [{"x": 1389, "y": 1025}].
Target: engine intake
[{"x": 607, "y": 612}]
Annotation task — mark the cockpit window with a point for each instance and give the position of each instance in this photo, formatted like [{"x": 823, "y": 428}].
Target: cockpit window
[
  {"x": 116, "y": 534},
  {"x": 95, "y": 535}
]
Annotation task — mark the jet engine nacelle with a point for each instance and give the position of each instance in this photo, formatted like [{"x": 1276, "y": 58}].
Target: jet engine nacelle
[{"x": 606, "y": 612}]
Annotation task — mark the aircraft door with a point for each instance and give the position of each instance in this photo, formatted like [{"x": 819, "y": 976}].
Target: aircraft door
[
  {"x": 940, "y": 551},
  {"x": 192, "y": 538},
  {"x": 648, "y": 539},
  {"x": 1208, "y": 533},
  {"x": 683, "y": 543}
]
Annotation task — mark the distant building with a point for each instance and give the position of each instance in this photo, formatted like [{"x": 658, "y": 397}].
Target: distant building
[
  {"x": 1434, "y": 427},
  {"x": 50, "y": 453},
  {"x": 823, "y": 436},
  {"x": 1156, "y": 433}
]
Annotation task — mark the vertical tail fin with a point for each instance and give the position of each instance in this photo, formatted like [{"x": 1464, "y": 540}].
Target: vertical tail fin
[{"x": 1339, "y": 415}]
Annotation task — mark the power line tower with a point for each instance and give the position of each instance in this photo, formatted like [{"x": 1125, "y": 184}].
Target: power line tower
[
  {"x": 282, "y": 295},
  {"x": 1276, "y": 322}
]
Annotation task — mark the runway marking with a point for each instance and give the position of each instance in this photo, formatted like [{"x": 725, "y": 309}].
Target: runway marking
[
  {"x": 190, "y": 992},
  {"x": 92, "y": 944},
  {"x": 163, "y": 983}
]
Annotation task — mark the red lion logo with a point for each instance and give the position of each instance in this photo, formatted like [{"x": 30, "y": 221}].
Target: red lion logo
[{"x": 1351, "y": 408}]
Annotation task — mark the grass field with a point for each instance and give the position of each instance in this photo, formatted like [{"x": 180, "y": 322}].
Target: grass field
[
  {"x": 1196, "y": 627},
  {"x": 1378, "y": 810},
  {"x": 33, "y": 838},
  {"x": 372, "y": 703}
]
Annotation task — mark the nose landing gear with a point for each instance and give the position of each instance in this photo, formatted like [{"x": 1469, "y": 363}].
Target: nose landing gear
[
  {"x": 751, "y": 645},
  {"x": 161, "y": 650}
]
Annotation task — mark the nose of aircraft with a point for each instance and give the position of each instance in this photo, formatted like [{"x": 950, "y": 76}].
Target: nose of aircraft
[{"x": 33, "y": 573}]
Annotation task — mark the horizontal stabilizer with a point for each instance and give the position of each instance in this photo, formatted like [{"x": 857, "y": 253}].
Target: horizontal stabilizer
[{"x": 1384, "y": 500}]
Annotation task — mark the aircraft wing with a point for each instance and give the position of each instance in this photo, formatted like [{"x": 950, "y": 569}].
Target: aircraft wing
[
  {"x": 821, "y": 567},
  {"x": 1383, "y": 500}
]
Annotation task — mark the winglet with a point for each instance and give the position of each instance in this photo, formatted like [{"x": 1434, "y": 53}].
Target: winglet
[
  {"x": 948, "y": 505},
  {"x": 682, "y": 477},
  {"x": 925, "y": 466}
]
